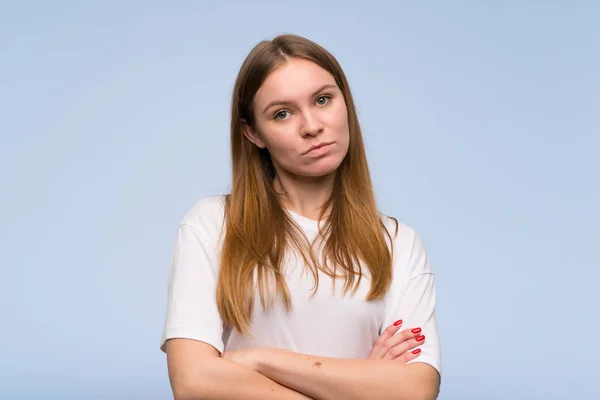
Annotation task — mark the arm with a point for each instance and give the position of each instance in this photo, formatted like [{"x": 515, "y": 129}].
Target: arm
[
  {"x": 197, "y": 372},
  {"x": 332, "y": 378}
]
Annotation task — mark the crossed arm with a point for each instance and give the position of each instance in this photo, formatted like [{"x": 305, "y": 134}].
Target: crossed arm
[{"x": 197, "y": 372}]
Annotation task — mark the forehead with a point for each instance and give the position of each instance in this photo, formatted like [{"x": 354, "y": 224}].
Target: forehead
[{"x": 296, "y": 78}]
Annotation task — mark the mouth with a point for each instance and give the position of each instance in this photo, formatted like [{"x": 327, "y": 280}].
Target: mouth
[{"x": 317, "y": 147}]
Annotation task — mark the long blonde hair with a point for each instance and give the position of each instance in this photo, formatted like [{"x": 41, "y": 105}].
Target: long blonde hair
[{"x": 258, "y": 230}]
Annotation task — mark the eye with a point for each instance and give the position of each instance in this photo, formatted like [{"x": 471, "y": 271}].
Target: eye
[
  {"x": 322, "y": 100},
  {"x": 280, "y": 115}
]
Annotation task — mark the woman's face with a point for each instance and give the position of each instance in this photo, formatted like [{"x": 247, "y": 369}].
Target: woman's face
[{"x": 301, "y": 118}]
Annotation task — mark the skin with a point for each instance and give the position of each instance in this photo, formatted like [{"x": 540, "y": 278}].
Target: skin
[
  {"x": 309, "y": 109},
  {"x": 385, "y": 374}
]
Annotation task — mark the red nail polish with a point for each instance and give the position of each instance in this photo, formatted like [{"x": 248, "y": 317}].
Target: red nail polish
[
  {"x": 398, "y": 322},
  {"x": 416, "y": 330},
  {"x": 420, "y": 338},
  {"x": 416, "y": 351}
]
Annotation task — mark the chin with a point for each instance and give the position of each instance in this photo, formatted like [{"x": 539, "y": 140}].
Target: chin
[
  {"x": 324, "y": 168},
  {"x": 316, "y": 174}
]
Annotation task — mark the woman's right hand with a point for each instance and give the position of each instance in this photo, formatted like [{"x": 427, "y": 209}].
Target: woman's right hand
[{"x": 401, "y": 347}]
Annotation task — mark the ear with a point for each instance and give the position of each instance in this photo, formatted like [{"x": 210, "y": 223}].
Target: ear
[{"x": 251, "y": 134}]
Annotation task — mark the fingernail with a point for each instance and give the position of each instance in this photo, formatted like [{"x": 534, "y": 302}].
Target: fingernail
[
  {"x": 398, "y": 322},
  {"x": 416, "y": 351},
  {"x": 416, "y": 330},
  {"x": 420, "y": 338}
]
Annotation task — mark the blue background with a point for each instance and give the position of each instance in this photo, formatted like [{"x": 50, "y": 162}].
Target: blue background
[{"x": 482, "y": 127}]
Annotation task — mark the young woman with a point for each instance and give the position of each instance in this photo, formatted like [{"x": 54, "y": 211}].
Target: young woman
[{"x": 294, "y": 286}]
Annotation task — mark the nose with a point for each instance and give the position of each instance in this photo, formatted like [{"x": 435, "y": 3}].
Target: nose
[{"x": 312, "y": 125}]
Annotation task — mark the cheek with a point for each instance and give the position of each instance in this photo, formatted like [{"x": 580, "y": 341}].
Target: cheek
[
  {"x": 280, "y": 142},
  {"x": 339, "y": 124},
  {"x": 339, "y": 118}
]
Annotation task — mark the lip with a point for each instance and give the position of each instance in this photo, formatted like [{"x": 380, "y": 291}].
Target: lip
[{"x": 318, "y": 146}]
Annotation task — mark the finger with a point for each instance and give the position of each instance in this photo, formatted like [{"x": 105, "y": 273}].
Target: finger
[
  {"x": 403, "y": 336},
  {"x": 409, "y": 356},
  {"x": 404, "y": 347},
  {"x": 391, "y": 330},
  {"x": 381, "y": 347}
]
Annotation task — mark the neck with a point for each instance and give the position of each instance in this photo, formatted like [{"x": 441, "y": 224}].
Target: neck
[{"x": 304, "y": 196}]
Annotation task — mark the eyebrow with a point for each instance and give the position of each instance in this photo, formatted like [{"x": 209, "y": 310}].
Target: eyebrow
[{"x": 316, "y": 92}]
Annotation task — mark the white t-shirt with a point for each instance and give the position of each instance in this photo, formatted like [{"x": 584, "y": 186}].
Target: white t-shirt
[{"x": 328, "y": 324}]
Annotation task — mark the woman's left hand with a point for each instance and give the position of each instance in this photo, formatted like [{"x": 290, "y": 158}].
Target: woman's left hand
[{"x": 246, "y": 357}]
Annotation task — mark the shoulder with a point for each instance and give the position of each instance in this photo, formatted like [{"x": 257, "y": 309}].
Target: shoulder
[
  {"x": 401, "y": 234},
  {"x": 409, "y": 255},
  {"x": 206, "y": 214}
]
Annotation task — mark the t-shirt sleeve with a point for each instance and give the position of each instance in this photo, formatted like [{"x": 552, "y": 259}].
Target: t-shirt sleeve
[
  {"x": 191, "y": 301},
  {"x": 412, "y": 296}
]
